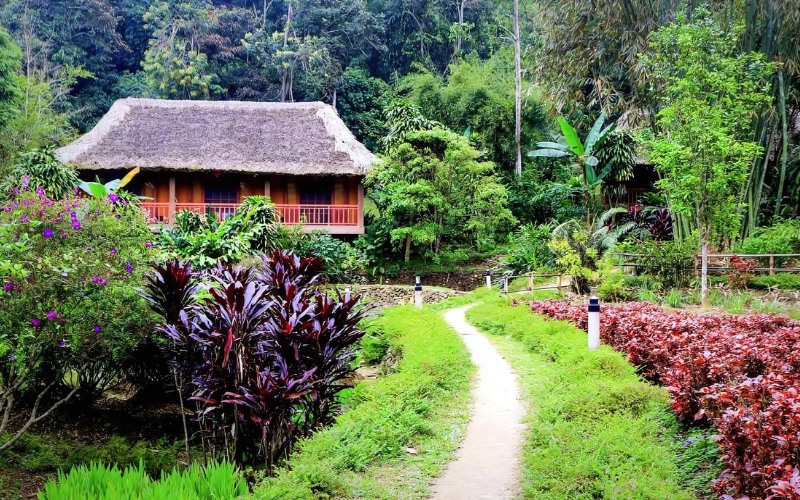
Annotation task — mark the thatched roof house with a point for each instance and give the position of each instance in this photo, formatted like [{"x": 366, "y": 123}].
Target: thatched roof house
[
  {"x": 200, "y": 154},
  {"x": 265, "y": 137}
]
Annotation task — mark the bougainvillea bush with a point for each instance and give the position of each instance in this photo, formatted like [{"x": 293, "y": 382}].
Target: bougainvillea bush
[
  {"x": 70, "y": 316},
  {"x": 266, "y": 350},
  {"x": 739, "y": 373}
]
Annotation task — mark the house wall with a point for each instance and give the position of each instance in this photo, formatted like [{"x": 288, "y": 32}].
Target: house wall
[{"x": 190, "y": 186}]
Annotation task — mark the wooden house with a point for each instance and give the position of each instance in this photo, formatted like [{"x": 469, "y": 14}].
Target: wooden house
[{"x": 209, "y": 155}]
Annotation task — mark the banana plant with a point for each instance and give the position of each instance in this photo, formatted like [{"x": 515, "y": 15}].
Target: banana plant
[
  {"x": 581, "y": 153},
  {"x": 102, "y": 191}
]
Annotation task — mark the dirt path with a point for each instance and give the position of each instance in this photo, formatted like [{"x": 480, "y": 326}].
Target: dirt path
[{"x": 488, "y": 462}]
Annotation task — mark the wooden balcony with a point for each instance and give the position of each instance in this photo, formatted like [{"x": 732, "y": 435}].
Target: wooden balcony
[{"x": 335, "y": 219}]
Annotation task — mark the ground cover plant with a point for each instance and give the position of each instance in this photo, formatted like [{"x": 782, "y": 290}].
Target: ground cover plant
[
  {"x": 738, "y": 373},
  {"x": 98, "y": 481},
  {"x": 400, "y": 429},
  {"x": 594, "y": 425}
]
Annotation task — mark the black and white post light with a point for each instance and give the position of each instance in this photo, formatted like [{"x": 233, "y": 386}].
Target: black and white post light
[{"x": 594, "y": 323}]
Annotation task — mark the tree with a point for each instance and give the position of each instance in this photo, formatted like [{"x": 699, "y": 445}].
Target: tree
[
  {"x": 438, "y": 192},
  {"x": 582, "y": 155},
  {"x": 10, "y": 62},
  {"x": 703, "y": 147}
]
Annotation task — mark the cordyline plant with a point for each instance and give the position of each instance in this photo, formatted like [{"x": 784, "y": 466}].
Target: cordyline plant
[{"x": 266, "y": 350}]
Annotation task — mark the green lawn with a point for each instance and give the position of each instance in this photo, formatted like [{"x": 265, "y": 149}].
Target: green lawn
[
  {"x": 421, "y": 405},
  {"x": 596, "y": 430}
]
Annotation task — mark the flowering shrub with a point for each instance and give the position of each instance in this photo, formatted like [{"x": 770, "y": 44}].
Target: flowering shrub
[
  {"x": 741, "y": 373},
  {"x": 267, "y": 352},
  {"x": 69, "y": 308}
]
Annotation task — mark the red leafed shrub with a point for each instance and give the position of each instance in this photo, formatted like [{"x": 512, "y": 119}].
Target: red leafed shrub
[
  {"x": 742, "y": 271},
  {"x": 740, "y": 373}
]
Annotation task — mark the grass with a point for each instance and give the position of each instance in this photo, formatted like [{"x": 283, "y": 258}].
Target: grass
[
  {"x": 400, "y": 430},
  {"x": 596, "y": 430}
]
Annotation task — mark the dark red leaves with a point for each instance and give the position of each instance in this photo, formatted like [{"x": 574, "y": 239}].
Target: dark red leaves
[{"x": 741, "y": 373}]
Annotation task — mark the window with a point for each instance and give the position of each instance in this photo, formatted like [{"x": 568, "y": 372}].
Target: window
[
  {"x": 222, "y": 195},
  {"x": 315, "y": 193}
]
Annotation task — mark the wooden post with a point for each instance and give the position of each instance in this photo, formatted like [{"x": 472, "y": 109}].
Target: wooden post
[
  {"x": 558, "y": 287},
  {"x": 172, "y": 199},
  {"x": 267, "y": 189},
  {"x": 530, "y": 281},
  {"x": 360, "y": 205},
  {"x": 771, "y": 264}
]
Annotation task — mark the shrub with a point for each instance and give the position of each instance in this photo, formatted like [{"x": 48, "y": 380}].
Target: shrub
[
  {"x": 73, "y": 320},
  {"x": 781, "y": 281},
  {"x": 39, "y": 168},
  {"x": 669, "y": 261},
  {"x": 267, "y": 352},
  {"x": 98, "y": 481},
  {"x": 783, "y": 237},
  {"x": 528, "y": 249},
  {"x": 738, "y": 372}
]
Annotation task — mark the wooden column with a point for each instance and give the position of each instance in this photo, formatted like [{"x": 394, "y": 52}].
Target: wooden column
[
  {"x": 267, "y": 189},
  {"x": 360, "y": 205},
  {"x": 291, "y": 193},
  {"x": 171, "y": 199}
]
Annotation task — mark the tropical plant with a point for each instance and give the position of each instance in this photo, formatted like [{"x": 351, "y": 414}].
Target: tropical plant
[
  {"x": 102, "y": 191},
  {"x": 40, "y": 168},
  {"x": 582, "y": 156},
  {"x": 267, "y": 353},
  {"x": 578, "y": 249}
]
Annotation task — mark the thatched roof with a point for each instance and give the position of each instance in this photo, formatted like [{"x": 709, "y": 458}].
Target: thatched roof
[{"x": 266, "y": 137}]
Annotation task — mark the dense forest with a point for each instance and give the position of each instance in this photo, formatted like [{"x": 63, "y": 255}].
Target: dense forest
[{"x": 390, "y": 66}]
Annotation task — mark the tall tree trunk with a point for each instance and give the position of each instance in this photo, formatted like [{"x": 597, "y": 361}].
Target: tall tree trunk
[
  {"x": 704, "y": 269},
  {"x": 518, "y": 95},
  {"x": 286, "y": 84},
  {"x": 784, "y": 141},
  {"x": 407, "y": 256}
]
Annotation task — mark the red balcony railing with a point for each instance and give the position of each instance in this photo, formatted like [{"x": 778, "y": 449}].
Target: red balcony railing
[{"x": 311, "y": 215}]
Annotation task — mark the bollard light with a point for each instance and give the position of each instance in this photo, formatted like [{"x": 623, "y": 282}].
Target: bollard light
[
  {"x": 418, "y": 293},
  {"x": 488, "y": 279},
  {"x": 594, "y": 323}
]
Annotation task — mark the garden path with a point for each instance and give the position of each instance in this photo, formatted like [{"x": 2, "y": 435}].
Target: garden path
[{"x": 487, "y": 464}]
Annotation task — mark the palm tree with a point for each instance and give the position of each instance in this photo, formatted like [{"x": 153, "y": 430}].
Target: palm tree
[{"x": 581, "y": 153}]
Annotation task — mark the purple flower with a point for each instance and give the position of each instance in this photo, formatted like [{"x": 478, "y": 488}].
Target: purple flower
[
  {"x": 96, "y": 279},
  {"x": 97, "y": 329},
  {"x": 62, "y": 343},
  {"x": 40, "y": 191},
  {"x": 52, "y": 315},
  {"x": 47, "y": 233},
  {"x": 36, "y": 322},
  {"x": 113, "y": 198},
  {"x": 8, "y": 286},
  {"x": 24, "y": 219},
  {"x": 26, "y": 203},
  {"x": 113, "y": 251},
  {"x": 76, "y": 224},
  {"x": 89, "y": 249},
  {"x": 148, "y": 244},
  {"x": 128, "y": 268},
  {"x": 25, "y": 182},
  {"x": 12, "y": 357}
]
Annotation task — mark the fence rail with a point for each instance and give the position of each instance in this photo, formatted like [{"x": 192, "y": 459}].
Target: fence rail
[
  {"x": 563, "y": 281},
  {"x": 725, "y": 265},
  {"x": 323, "y": 215}
]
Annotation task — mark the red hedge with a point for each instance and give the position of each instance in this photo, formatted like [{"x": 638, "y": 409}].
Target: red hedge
[{"x": 740, "y": 373}]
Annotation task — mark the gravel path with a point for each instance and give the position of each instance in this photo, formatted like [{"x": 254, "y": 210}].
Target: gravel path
[{"x": 488, "y": 462}]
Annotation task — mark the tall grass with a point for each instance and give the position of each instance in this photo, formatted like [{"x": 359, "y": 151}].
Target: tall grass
[
  {"x": 594, "y": 426},
  {"x": 400, "y": 429}
]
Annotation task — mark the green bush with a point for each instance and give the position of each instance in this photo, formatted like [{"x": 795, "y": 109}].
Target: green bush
[
  {"x": 781, "y": 281},
  {"x": 528, "y": 249},
  {"x": 671, "y": 262},
  {"x": 101, "y": 482},
  {"x": 783, "y": 237},
  {"x": 74, "y": 318},
  {"x": 40, "y": 168}
]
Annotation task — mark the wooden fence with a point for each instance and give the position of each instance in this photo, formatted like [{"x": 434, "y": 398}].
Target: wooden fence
[{"x": 721, "y": 262}]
